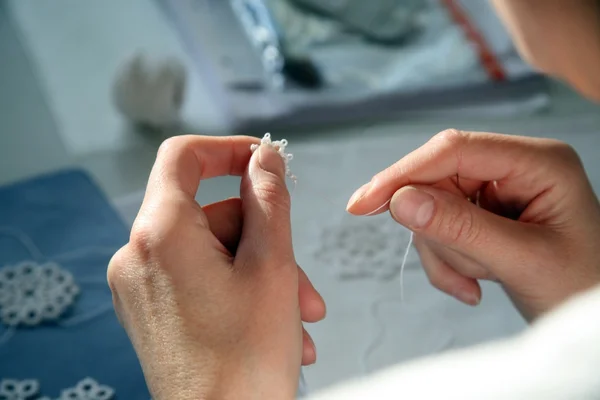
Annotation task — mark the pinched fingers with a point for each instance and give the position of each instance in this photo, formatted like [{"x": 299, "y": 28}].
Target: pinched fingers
[{"x": 473, "y": 156}]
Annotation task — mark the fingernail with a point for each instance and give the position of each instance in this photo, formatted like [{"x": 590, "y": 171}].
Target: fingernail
[
  {"x": 468, "y": 297},
  {"x": 358, "y": 194},
  {"x": 412, "y": 208},
  {"x": 271, "y": 161}
]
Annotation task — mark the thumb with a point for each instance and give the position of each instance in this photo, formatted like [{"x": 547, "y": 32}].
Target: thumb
[
  {"x": 266, "y": 231},
  {"x": 453, "y": 221}
]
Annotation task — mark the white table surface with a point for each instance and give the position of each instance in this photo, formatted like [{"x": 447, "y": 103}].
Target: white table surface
[{"x": 367, "y": 326}]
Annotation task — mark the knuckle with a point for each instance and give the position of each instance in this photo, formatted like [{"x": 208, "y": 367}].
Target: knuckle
[
  {"x": 452, "y": 137},
  {"x": 429, "y": 266},
  {"x": 151, "y": 240},
  {"x": 459, "y": 227},
  {"x": 452, "y": 141},
  {"x": 157, "y": 231},
  {"x": 171, "y": 143},
  {"x": 117, "y": 271},
  {"x": 566, "y": 153},
  {"x": 175, "y": 147},
  {"x": 438, "y": 278},
  {"x": 419, "y": 242},
  {"x": 274, "y": 193},
  {"x": 434, "y": 277},
  {"x": 143, "y": 239}
]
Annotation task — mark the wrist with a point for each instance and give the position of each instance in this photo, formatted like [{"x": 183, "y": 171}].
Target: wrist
[
  {"x": 253, "y": 382},
  {"x": 223, "y": 381}
]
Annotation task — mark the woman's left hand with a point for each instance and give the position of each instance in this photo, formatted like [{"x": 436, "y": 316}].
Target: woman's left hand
[{"x": 212, "y": 297}]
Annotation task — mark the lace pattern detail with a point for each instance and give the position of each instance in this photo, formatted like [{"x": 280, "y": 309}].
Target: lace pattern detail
[
  {"x": 280, "y": 147},
  {"x": 32, "y": 293},
  {"x": 87, "y": 389},
  {"x": 12, "y": 389},
  {"x": 359, "y": 248},
  {"x": 29, "y": 389}
]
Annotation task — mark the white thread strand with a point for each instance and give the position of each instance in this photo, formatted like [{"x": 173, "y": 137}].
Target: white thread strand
[
  {"x": 374, "y": 344},
  {"x": 7, "y": 335},
  {"x": 37, "y": 255},
  {"x": 323, "y": 196},
  {"x": 381, "y": 207},
  {"x": 294, "y": 188},
  {"x": 382, "y": 333},
  {"x": 402, "y": 267},
  {"x": 82, "y": 252},
  {"x": 25, "y": 240},
  {"x": 72, "y": 322},
  {"x": 96, "y": 281},
  {"x": 375, "y": 308},
  {"x": 80, "y": 319}
]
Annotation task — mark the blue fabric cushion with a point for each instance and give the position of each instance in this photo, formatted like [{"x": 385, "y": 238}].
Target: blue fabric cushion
[{"x": 64, "y": 217}]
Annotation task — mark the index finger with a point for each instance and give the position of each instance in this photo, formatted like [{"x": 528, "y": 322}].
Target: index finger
[
  {"x": 183, "y": 161},
  {"x": 476, "y": 156}
]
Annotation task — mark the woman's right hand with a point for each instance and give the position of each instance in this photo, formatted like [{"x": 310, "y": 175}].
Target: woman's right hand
[{"x": 517, "y": 210}]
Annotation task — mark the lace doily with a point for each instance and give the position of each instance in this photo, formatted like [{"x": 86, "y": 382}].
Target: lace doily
[
  {"x": 87, "y": 389},
  {"x": 32, "y": 293},
  {"x": 362, "y": 248}
]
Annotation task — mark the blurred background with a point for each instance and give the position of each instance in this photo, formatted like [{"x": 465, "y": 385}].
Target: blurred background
[{"x": 89, "y": 90}]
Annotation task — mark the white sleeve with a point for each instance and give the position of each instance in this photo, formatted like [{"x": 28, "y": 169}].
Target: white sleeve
[{"x": 557, "y": 358}]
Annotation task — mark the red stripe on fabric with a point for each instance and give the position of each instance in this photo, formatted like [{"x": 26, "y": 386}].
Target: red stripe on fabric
[{"x": 488, "y": 59}]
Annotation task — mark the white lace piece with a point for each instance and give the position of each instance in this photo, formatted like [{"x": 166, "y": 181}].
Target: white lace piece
[
  {"x": 363, "y": 248},
  {"x": 280, "y": 147},
  {"x": 86, "y": 389},
  {"x": 32, "y": 293},
  {"x": 12, "y": 389}
]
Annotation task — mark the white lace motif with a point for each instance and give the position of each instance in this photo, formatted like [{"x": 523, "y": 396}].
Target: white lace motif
[
  {"x": 359, "y": 248},
  {"x": 11, "y": 389},
  {"x": 280, "y": 147},
  {"x": 32, "y": 293},
  {"x": 29, "y": 389}
]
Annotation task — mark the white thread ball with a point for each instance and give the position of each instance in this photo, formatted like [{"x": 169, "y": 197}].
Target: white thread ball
[{"x": 150, "y": 91}]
